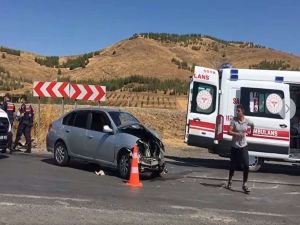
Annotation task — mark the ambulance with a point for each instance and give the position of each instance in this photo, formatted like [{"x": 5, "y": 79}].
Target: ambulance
[
  {"x": 5, "y": 130},
  {"x": 271, "y": 100}
]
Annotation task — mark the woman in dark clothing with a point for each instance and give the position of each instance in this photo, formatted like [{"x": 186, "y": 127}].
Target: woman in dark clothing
[{"x": 239, "y": 152}]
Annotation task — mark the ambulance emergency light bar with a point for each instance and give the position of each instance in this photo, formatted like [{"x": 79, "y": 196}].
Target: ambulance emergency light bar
[
  {"x": 234, "y": 74},
  {"x": 279, "y": 79}
]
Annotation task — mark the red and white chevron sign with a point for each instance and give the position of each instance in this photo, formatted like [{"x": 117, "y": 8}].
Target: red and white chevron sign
[
  {"x": 87, "y": 92},
  {"x": 51, "y": 89}
]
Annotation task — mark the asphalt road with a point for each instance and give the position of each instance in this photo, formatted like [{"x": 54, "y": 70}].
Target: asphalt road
[{"x": 33, "y": 190}]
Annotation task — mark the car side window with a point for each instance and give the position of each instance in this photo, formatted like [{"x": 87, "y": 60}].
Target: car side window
[
  {"x": 69, "y": 119},
  {"x": 81, "y": 119},
  {"x": 98, "y": 121}
]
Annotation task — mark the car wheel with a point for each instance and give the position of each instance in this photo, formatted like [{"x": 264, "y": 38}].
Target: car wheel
[
  {"x": 156, "y": 173},
  {"x": 61, "y": 155},
  {"x": 124, "y": 165},
  {"x": 255, "y": 163},
  {"x": 160, "y": 172}
]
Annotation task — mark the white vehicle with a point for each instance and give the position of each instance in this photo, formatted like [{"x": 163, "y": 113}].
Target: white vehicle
[
  {"x": 5, "y": 130},
  {"x": 271, "y": 100}
]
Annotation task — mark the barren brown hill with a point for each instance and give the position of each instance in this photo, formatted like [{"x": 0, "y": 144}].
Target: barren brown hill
[
  {"x": 149, "y": 57},
  {"x": 25, "y": 66}
]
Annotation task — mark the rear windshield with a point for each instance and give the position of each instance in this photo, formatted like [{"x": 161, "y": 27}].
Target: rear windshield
[{"x": 204, "y": 98}]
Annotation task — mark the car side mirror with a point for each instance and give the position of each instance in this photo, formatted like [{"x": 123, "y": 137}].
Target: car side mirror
[{"x": 107, "y": 129}]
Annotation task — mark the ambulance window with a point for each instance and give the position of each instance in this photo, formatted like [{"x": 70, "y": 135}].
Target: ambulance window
[
  {"x": 204, "y": 98},
  {"x": 263, "y": 102}
]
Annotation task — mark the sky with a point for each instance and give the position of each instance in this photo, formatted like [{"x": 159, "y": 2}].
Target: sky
[{"x": 69, "y": 27}]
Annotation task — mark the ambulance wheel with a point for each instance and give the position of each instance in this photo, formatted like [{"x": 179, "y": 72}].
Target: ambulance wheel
[{"x": 255, "y": 163}]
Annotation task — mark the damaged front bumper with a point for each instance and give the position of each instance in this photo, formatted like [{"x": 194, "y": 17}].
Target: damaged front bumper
[{"x": 151, "y": 164}]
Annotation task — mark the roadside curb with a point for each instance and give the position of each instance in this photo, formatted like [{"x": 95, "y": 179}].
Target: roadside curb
[
  {"x": 32, "y": 154},
  {"x": 254, "y": 181}
]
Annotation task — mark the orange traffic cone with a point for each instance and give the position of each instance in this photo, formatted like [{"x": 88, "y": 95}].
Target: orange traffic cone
[{"x": 134, "y": 180}]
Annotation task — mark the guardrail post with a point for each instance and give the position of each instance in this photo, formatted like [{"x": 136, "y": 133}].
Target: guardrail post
[
  {"x": 62, "y": 106},
  {"x": 39, "y": 118}
]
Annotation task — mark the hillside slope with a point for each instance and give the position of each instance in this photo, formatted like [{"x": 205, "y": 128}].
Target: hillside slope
[{"x": 148, "y": 57}]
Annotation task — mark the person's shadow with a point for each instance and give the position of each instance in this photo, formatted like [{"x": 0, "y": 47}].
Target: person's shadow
[
  {"x": 3, "y": 156},
  {"x": 267, "y": 167}
]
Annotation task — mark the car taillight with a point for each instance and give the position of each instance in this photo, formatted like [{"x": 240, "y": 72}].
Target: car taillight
[{"x": 220, "y": 125}]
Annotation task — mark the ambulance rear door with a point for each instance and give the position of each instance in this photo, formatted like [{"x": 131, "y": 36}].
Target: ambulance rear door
[{"x": 202, "y": 108}]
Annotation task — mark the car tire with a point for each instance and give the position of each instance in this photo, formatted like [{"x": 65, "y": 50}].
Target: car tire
[
  {"x": 156, "y": 174},
  {"x": 160, "y": 172},
  {"x": 124, "y": 165},
  {"x": 255, "y": 163},
  {"x": 61, "y": 155}
]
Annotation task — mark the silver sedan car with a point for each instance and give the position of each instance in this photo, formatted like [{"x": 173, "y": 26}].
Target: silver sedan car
[{"x": 106, "y": 137}]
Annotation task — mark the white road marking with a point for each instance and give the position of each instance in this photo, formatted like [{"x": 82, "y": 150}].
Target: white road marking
[
  {"x": 254, "y": 198},
  {"x": 205, "y": 214},
  {"x": 265, "y": 188},
  {"x": 205, "y": 177},
  {"x": 248, "y": 212},
  {"x": 63, "y": 203},
  {"x": 7, "y": 204},
  {"x": 80, "y": 209},
  {"x": 45, "y": 197},
  {"x": 292, "y": 193},
  {"x": 232, "y": 211}
]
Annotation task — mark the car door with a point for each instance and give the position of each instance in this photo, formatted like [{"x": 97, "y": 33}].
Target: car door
[
  {"x": 100, "y": 145},
  {"x": 78, "y": 133},
  {"x": 202, "y": 107},
  {"x": 67, "y": 130}
]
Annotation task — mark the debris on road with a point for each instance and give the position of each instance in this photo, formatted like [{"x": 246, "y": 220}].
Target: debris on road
[{"x": 100, "y": 173}]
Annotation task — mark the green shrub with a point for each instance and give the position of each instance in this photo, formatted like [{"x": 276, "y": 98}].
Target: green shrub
[
  {"x": 271, "y": 65},
  {"x": 10, "y": 51},
  {"x": 49, "y": 61}
]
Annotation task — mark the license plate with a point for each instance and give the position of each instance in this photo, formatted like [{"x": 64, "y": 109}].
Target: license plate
[{"x": 3, "y": 137}]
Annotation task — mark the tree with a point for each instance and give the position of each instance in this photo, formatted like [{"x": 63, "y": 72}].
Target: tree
[
  {"x": 3, "y": 56},
  {"x": 59, "y": 72}
]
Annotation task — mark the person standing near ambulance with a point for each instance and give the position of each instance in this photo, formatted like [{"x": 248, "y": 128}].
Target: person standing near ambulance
[
  {"x": 9, "y": 108},
  {"x": 25, "y": 117},
  {"x": 239, "y": 152}
]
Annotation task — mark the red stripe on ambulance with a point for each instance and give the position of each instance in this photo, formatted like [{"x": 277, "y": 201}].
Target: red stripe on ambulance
[
  {"x": 202, "y": 129},
  {"x": 201, "y": 124},
  {"x": 266, "y": 133}
]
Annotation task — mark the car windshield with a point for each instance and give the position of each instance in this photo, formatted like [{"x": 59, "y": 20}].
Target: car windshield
[{"x": 122, "y": 118}]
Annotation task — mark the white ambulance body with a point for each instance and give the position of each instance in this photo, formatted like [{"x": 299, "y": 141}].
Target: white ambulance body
[{"x": 266, "y": 96}]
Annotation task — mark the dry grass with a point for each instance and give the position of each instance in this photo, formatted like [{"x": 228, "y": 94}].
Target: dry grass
[
  {"x": 49, "y": 113},
  {"x": 25, "y": 66}
]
